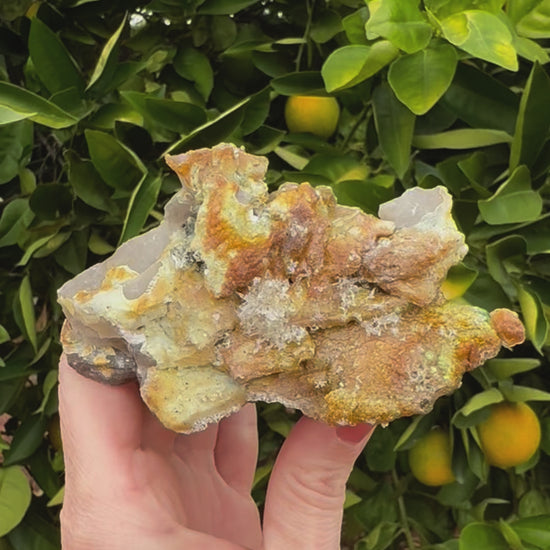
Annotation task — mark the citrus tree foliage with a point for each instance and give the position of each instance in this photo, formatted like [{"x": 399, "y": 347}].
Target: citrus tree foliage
[{"x": 93, "y": 93}]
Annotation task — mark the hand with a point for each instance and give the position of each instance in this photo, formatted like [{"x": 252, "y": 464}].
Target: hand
[{"x": 131, "y": 484}]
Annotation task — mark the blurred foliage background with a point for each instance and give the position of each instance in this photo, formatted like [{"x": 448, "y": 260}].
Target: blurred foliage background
[{"x": 93, "y": 93}]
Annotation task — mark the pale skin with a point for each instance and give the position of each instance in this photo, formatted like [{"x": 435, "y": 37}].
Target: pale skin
[{"x": 133, "y": 484}]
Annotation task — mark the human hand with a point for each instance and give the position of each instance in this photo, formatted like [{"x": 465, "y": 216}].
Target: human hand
[{"x": 131, "y": 484}]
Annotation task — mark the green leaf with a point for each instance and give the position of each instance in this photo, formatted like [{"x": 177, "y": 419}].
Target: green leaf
[
  {"x": 15, "y": 498},
  {"x": 533, "y": 503},
  {"x": 26, "y": 303},
  {"x": 27, "y": 181},
  {"x": 4, "y": 335},
  {"x": 15, "y": 140},
  {"x": 533, "y": 120},
  {"x": 354, "y": 26},
  {"x": 194, "y": 65},
  {"x": 292, "y": 157},
  {"x": 119, "y": 166},
  {"x": 506, "y": 256},
  {"x": 326, "y": 25},
  {"x": 98, "y": 245},
  {"x": 39, "y": 245},
  {"x": 350, "y": 65},
  {"x": 534, "y": 319},
  {"x": 480, "y": 100},
  {"x": 536, "y": 22},
  {"x": 16, "y": 217},
  {"x": 7, "y": 116},
  {"x": 141, "y": 203},
  {"x": 521, "y": 394},
  {"x": 105, "y": 66},
  {"x": 380, "y": 454},
  {"x": 351, "y": 499},
  {"x": 177, "y": 116},
  {"x": 483, "y": 35},
  {"x": 50, "y": 382},
  {"x": 395, "y": 127},
  {"x": 480, "y": 401},
  {"x": 445, "y": 8},
  {"x": 400, "y": 22},
  {"x": 57, "y": 499},
  {"x": 299, "y": 83},
  {"x": 502, "y": 369},
  {"x": 26, "y": 440},
  {"x": 39, "y": 109},
  {"x": 530, "y": 50},
  {"x": 88, "y": 184},
  {"x": 481, "y": 536},
  {"x": 224, "y": 7},
  {"x": 464, "y": 138},
  {"x": 54, "y": 66},
  {"x": 510, "y": 535},
  {"x": 421, "y": 78},
  {"x": 213, "y": 131},
  {"x": 72, "y": 255},
  {"x": 534, "y": 530},
  {"x": 513, "y": 202},
  {"x": 256, "y": 111},
  {"x": 35, "y": 533},
  {"x": 459, "y": 278}
]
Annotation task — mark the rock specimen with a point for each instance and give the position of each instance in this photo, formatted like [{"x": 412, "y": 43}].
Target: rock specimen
[{"x": 243, "y": 295}]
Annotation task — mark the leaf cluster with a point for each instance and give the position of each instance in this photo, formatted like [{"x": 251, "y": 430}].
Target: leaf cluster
[{"x": 456, "y": 93}]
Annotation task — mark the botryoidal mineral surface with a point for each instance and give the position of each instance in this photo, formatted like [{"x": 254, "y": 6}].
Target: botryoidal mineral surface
[{"x": 243, "y": 295}]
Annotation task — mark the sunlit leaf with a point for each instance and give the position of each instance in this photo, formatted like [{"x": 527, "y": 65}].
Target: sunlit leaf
[
  {"x": 521, "y": 394},
  {"x": 534, "y": 319},
  {"x": 465, "y": 138},
  {"x": 15, "y": 497},
  {"x": 482, "y": 536},
  {"x": 400, "y": 22},
  {"x": 534, "y": 530},
  {"x": 513, "y": 202},
  {"x": 502, "y": 368},
  {"x": 481, "y": 400},
  {"x": 107, "y": 58},
  {"x": 40, "y": 110},
  {"x": 26, "y": 303},
  {"x": 535, "y": 22},
  {"x": 481, "y": 34},
  {"x": 350, "y": 65},
  {"x": 459, "y": 279},
  {"x": 421, "y": 78}
]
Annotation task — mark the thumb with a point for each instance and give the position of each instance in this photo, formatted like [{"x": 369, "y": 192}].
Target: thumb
[{"x": 306, "y": 493}]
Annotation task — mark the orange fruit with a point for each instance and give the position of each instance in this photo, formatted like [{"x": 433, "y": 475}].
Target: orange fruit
[
  {"x": 510, "y": 435},
  {"x": 314, "y": 114},
  {"x": 430, "y": 459}
]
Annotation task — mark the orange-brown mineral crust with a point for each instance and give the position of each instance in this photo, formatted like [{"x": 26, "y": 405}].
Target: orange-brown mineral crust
[{"x": 243, "y": 295}]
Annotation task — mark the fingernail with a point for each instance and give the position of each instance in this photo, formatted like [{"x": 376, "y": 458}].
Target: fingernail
[{"x": 354, "y": 434}]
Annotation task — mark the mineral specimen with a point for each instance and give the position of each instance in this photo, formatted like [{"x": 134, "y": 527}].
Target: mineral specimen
[{"x": 243, "y": 295}]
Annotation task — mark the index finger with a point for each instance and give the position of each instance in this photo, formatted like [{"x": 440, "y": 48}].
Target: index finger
[{"x": 97, "y": 420}]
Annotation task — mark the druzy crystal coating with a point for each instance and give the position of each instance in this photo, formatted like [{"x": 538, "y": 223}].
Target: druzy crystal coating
[{"x": 244, "y": 295}]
